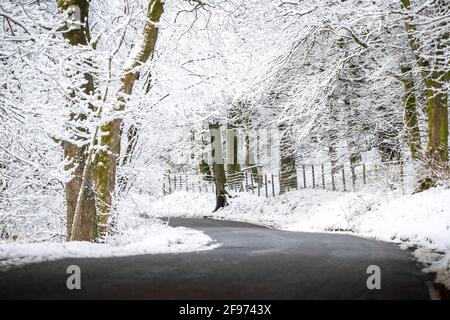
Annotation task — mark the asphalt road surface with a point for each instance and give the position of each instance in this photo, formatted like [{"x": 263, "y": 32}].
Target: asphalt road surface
[{"x": 253, "y": 262}]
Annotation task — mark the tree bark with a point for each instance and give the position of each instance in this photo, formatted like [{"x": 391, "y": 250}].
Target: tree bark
[
  {"x": 410, "y": 114},
  {"x": 233, "y": 165},
  {"x": 434, "y": 76},
  {"x": 132, "y": 139},
  {"x": 288, "y": 166},
  {"x": 106, "y": 161},
  {"x": 86, "y": 226},
  {"x": 203, "y": 166},
  {"x": 437, "y": 108},
  {"x": 218, "y": 166}
]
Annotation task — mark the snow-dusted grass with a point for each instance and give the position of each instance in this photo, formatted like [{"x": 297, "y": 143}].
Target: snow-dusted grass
[
  {"x": 137, "y": 233},
  {"x": 421, "y": 220}
]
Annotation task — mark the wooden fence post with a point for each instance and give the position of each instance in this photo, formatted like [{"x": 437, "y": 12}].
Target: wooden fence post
[
  {"x": 343, "y": 179},
  {"x": 187, "y": 185},
  {"x": 259, "y": 187},
  {"x": 352, "y": 169},
  {"x": 246, "y": 180},
  {"x": 279, "y": 182},
  {"x": 252, "y": 181},
  {"x": 364, "y": 173},
  {"x": 313, "y": 176},
  {"x": 164, "y": 188},
  {"x": 273, "y": 186},
  {"x": 304, "y": 176},
  {"x": 323, "y": 176},
  {"x": 333, "y": 183},
  {"x": 170, "y": 186},
  {"x": 402, "y": 177},
  {"x": 265, "y": 182}
]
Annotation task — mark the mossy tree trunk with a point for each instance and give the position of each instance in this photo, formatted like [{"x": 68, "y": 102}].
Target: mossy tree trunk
[
  {"x": 132, "y": 139},
  {"x": 437, "y": 108},
  {"x": 233, "y": 165},
  {"x": 76, "y": 156},
  {"x": 203, "y": 166},
  {"x": 106, "y": 160},
  {"x": 218, "y": 166},
  {"x": 435, "y": 76},
  {"x": 410, "y": 113},
  {"x": 288, "y": 165},
  {"x": 332, "y": 135}
]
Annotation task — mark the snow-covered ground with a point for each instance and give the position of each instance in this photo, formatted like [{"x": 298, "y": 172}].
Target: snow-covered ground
[
  {"x": 421, "y": 220},
  {"x": 151, "y": 239},
  {"x": 136, "y": 234}
]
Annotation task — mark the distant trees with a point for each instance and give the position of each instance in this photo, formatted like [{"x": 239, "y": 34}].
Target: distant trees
[
  {"x": 378, "y": 74},
  {"x": 341, "y": 81}
]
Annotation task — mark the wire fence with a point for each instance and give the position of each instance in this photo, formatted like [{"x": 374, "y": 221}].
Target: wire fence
[{"x": 393, "y": 176}]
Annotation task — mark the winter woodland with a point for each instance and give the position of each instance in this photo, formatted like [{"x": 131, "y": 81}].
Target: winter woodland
[{"x": 321, "y": 115}]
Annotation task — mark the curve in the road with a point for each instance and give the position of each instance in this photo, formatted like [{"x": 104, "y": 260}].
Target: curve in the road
[{"x": 253, "y": 262}]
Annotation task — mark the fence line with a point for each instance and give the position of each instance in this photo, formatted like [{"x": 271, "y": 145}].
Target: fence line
[{"x": 388, "y": 175}]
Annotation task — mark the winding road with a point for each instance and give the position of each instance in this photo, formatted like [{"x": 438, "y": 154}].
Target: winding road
[{"x": 253, "y": 262}]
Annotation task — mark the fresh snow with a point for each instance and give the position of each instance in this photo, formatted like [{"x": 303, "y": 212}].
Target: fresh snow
[
  {"x": 420, "y": 221},
  {"x": 155, "y": 238},
  {"x": 137, "y": 234}
]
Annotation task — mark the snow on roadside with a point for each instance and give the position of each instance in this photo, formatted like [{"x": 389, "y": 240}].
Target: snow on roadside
[
  {"x": 421, "y": 220},
  {"x": 154, "y": 238},
  {"x": 137, "y": 233}
]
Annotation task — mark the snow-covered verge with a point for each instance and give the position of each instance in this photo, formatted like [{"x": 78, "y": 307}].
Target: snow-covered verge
[
  {"x": 154, "y": 238},
  {"x": 421, "y": 221},
  {"x": 136, "y": 233}
]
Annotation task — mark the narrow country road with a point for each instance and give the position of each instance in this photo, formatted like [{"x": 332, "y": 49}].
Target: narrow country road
[{"x": 253, "y": 262}]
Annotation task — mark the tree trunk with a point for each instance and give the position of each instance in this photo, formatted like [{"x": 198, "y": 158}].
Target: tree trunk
[
  {"x": 434, "y": 76},
  {"x": 87, "y": 223},
  {"x": 106, "y": 161},
  {"x": 218, "y": 166},
  {"x": 85, "y": 229},
  {"x": 203, "y": 166},
  {"x": 233, "y": 165},
  {"x": 288, "y": 166},
  {"x": 355, "y": 159},
  {"x": 437, "y": 108},
  {"x": 132, "y": 138},
  {"x": 410, "y": 114}
]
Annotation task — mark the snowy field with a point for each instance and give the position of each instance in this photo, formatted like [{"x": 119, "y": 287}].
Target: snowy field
[{"x": 420, "y": 221}]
